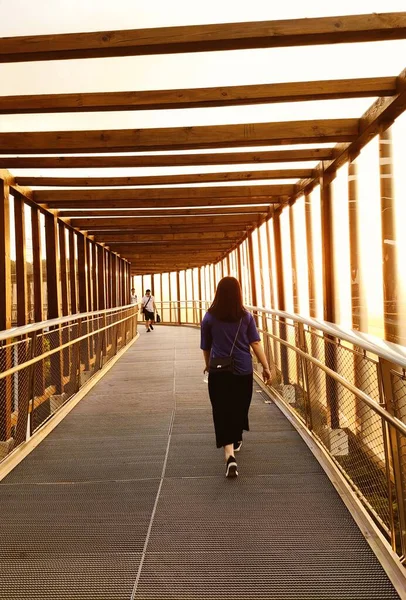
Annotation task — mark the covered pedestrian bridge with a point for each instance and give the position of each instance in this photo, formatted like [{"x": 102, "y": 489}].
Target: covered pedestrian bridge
[{"x": 110, "y": 483}]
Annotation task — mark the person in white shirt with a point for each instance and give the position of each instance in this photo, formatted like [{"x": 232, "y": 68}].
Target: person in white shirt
[
  {"x": 148, "y": 308},
  {"x": 133, "y": 299}
]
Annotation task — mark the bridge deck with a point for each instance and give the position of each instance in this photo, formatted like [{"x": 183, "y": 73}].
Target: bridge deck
[{"x": 127, "y": 498}]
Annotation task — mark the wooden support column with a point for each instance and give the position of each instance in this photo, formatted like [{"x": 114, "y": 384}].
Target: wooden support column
[
  {"x": 72, "y": 273},
  {"x": 270, "y": 273},
  {"x": 152, "y": 286},
  {"x": 51, "y": 240},
  {"x": 178, "y": 294},
  {"x": 89, "y": 274},
  {"x": 101, "y": 277},
  {"x": 311, "y": 275},
  {"x": 107, "y": 277},
  {"x": 333, "y": 418},
  {"x": 389, "y": 263},
  {"x": 199, "y": 288},
  {"x": 5, "y": 308},
  {"x": 21, "y": 263},
  {"x": 251, "y": 263},
  {"x": 239, "y": 264},
  {"x": 63, "y": 267},
  {"x": 94, "y": 276},
  {"x": 294, "y": 261},
  {"x": 354, "y": 243},
  {"x": 82, "y": 271},
  {"x": 113, "y": 261},
  {"x": 281, "y": 294},
  {"x": 54, "y": 293},
  {"x": 37, "y": 264}
]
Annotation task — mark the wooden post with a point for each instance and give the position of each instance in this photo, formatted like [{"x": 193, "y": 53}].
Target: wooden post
[
  {"x": 178, "y": 294},
  {"x": 101, "y": 278},
  {"x": 270, "y": 273},
  {"x": 333, "y": 418},
  {"x": 21, "y": 263},
  {"x": 389, "y": 263},
  {"x": 5, "y": 307},
  {"x": 251, "y": 264},
  {"x": 281, "y": 293},
  {"x": 311, "y": 275},
  {"x": 39, "y": 382},
  {"x": 83, "y": 296},
  {"x": 199, "y": 287},
  {"x": 63, "y": 267},
  {"x": 239, "y": 264},
  {"x": 294, "y": 262},
  {"x": 72, "y": 273},
  {"x": 53, "y": 292},
  {"x": 51, "y": 240},
  {"x": 94, "y": 276}
]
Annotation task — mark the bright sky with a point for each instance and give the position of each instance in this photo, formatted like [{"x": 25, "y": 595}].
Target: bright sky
[{"x": 28, "y": 17}]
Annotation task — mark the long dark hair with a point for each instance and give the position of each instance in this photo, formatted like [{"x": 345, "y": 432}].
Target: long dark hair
[{"x": 227, "y": 304}]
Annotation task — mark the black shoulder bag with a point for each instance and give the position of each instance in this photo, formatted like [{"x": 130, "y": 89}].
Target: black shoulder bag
[
  {"x": 225, "y": 364},
  {"x": 144, "y": 308}
]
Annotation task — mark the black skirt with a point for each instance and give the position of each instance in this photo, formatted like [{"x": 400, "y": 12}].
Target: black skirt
[{"x": 230, "y": 397}]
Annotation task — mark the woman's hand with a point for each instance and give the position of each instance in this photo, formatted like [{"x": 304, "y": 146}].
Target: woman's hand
[{"x": 266, "y": 375}]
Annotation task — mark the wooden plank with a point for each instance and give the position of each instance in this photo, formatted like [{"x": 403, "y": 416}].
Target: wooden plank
[
  {"x": 244, "y": 176},
  {"x": 159, "y": 194},
  {"x": 167, "y": 160},
  {"x": 21, "y": 262},
  {"x": 247, "y": 210},
  {"x": 199, "y": 97},
  {"x": 134, "y": 222},
  {"x": 5, "y": 257},
  {"x": 37, "y": 264},
  {"x": 193, "y": 228},
  {"x": 205, "y": 38},
  {"x": 63, "y": 268},
  {"x": 168, "y": 203},
  {"x": 154, "y": 237},
  {"x": 125, "y": 250},
  {"x": 180, "y": 138},
  {"x": 52, "y": 266},
  {"x": 72, "y": 272}
]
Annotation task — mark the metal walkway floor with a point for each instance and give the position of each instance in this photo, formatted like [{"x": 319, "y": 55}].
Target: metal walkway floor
[{"x": 127, "y": 498}]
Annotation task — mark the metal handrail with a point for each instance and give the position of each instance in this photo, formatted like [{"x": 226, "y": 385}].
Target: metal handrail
[{"x": 26, "y": 329}]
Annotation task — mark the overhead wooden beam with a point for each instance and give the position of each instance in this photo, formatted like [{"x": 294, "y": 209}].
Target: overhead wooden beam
[
  {"x": 165, "y": 237},
  {"x": 205, "y": 38},
  {"x": 166, "y": 160},
  {"x": 133, "y": 222},
  {"x": 155, "y": 229},
  {"x": 249, "y": 210},
  {"x": 199, "y": 97},
  {"x": 180, "y": 138},
  {"x": 164, "y": 179},
  {"x": 168, "y": 203}
]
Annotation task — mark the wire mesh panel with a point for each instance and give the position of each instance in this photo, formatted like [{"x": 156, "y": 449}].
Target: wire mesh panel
[{"x": 42, "y": 369}]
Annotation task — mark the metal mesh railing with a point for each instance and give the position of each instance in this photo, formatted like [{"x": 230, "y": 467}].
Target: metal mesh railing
[
  {"x": 43, "y": 365},
  {"x": 350, "y": 393}
]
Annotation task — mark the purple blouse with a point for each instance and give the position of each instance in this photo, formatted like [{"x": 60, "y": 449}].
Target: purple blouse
[{"x": 218, "y": 336}]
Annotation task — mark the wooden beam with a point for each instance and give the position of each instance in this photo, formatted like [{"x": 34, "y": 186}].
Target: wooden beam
[
  {"x": 180, "y": 138},
  {"x": 63, "y": 268},
  {"x": 168, "y": 203},
  {"x": 243, "y": 210},
  {"x": 223, "y": 227},
  {"x": 154, "y": 237},
  {"x": 37, "y": 264},
  {"x": 159, "y": 194},
  {"x": 244, "y": 176},
  {"x": 52, "y": 266},
  {"x": 167, "y": 160},
  {"x": 205, "y": 38},
  {"x": 133, "y": 222},
  {"x": 5, "y": 258},
  {"x": 21, "y": 262},
  {"x": 125, "y": 250},
  {"x": 199, "y": 97}
]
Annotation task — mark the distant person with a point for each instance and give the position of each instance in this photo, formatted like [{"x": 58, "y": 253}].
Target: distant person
[
  {"x": 229, "y": 330},
  {"x": 133, "y": 298},
  {"x": 148, "y": 308}
]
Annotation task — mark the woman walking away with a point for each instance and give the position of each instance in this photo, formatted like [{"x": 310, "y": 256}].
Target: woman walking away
[{"x": 228, "y": 332}]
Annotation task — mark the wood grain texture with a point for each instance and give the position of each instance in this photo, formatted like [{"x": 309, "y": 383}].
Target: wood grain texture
[
  {"x": 206, "y": 38},
  {"x": 166, "y": 160},
  {"x": 199, "y": 97},
  {"x": 180, "y": 138}
]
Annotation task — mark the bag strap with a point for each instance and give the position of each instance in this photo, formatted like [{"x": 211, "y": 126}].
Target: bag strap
[
  {"x": 146, "y": 304},
  {"x": 236, "y": 336}
]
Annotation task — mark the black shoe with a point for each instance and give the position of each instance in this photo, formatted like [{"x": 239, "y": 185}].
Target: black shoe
[
  {"x": 148, "y": 330},
  {"x": 237, "y": 446},
  {"x": 151, "y": 327},
  {"x": 231, "y": 467}
]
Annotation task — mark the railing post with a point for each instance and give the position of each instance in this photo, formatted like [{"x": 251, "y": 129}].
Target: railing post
[
  {"x": 395, "y": 451},
  {"x": 301, "y": 337},
  {"x": 281, "y": 295}
]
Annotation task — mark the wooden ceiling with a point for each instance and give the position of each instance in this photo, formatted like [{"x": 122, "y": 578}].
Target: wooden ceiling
[{"x": 167, "y": 228}]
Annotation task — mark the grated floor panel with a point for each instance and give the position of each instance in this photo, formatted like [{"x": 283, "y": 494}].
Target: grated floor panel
[{"x": 127, "y": 499}]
